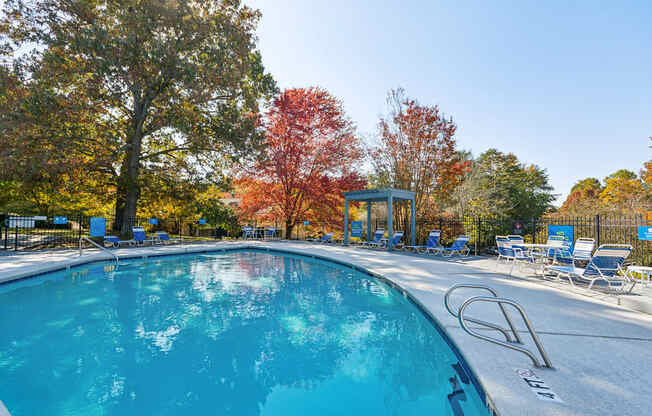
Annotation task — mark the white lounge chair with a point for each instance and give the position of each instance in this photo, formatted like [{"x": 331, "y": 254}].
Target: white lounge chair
[{"x": 605, "y": 265}]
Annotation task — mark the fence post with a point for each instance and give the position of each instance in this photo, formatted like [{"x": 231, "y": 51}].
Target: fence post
[
  {"x": 477, "y": 235},
  {"x": 534, "y": 230},
  {"x": 6, "y": 231},
  {"x": 79, "y": 228},
  {"x": 597, "y": 230},
  {"x": 16, "y": 236}
]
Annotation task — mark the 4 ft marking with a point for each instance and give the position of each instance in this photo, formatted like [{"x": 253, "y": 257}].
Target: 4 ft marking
[{"x": 538, "y": 386}]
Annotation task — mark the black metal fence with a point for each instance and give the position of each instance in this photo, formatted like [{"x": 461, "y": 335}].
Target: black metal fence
[
  {"x": 483, "y": 231},
  {"x": 35, "y": 232},
  {"x": 42, "y": 232}
]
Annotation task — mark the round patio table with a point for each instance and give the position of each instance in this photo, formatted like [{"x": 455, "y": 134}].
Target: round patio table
[
  {"x": 644, "y": 271},
  {"x": 540, "y": 246},
  {"x": 540, "y": 252}
]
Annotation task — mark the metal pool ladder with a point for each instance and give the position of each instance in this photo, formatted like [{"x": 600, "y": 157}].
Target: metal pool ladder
[
  {"x": 81, "y": 240},
  {"x": 509, "y": 341}
]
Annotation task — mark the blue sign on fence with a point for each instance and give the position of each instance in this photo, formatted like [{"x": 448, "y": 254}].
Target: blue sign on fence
[
  {"x": 566, "y": 231},
  {"x": 306, "y": 222},
  {"x": 356, "y": 228},
  {"x": 59, "y": 220},
  {"x": 153, "y": 221},
  {"x": 202, "y": 221},
  {"x": 98, "y": 227},
  {"x": 645, "y": 233}
]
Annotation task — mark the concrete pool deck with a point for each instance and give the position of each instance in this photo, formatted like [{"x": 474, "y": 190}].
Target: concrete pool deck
[{"x": 600, "y": 350}]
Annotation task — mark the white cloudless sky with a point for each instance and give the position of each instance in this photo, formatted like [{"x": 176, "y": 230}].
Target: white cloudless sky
[{"x": 564, "y": 85}]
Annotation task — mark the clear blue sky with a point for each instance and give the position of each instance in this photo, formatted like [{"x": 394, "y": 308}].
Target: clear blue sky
[{"x": 564, "y": 85}]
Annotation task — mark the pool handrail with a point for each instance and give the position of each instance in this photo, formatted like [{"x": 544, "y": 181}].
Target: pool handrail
[
  {"x": 504, "y": 331},
  {"x": 82, "y": 239},
  {"x": 462, "y": 320}
]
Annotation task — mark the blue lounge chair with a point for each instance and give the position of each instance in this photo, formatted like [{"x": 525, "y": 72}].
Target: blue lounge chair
[
  {"x": 582, "y": 251},
  {"x": 164, "y": 238},
  {"x": 247, "y": 232},
  {"x": 517, "y": 242},
  {"x": 605, "y": 265},
  {"x": 270, "y": 233},
  {"x": 326, "y": 238},
  {"x": 114, "y": 241},
  {"x": 432, "y": 243},
  {"x": 557, "y": 243},
  {"x": 396, "y": 241},
  {"x": 140, "y": 237},
  {"x": 510, "y": 250},
  {"x": 458, "y": 247},
  {"x": 378, "y": 236}
]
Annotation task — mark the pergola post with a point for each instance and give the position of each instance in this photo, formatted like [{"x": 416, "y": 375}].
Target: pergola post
[
  {"x": 390, "y": 215},
  {"x": 412, "y": 220},
  {"x": 369, "y": 221},
  {"x": 346, "y": 221}
]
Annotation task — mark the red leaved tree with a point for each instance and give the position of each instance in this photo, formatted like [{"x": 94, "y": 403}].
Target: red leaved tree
[
  {"x": 309, "y": 159},
  {"x": 417, "y": 152}
]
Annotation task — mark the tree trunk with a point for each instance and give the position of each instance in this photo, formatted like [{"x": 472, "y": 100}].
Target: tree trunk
[
  {"x": 289, "y": 226},
  {"x": 132, "y": 187},
  {"x": 119, "y": 204},
  {"x": 131, "y": 167}
]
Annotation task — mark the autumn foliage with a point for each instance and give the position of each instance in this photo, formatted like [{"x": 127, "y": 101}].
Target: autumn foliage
[
  {"x": 417, "y": 152},
  {"x": 311, "y": 156}
]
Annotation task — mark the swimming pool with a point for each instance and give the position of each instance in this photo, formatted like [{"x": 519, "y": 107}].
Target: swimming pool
[{"x": 232, "y": 333}]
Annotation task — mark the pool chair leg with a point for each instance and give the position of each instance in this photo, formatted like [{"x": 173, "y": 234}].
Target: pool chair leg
[
  {"x": 593, "y": 281},
  {"x": 570, "y": 279}
]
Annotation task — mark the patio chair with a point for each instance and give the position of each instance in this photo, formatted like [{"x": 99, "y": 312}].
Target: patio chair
[
  {"x": 247, "y": 232},
  {"x": 141, "y": 238},
  {"x": 605, "y": 265},
  {"x": 558, "y": 243},
  {"x": 396, "y": 241},
  {"x": 326, "y": 238},
  {"x": 458, "y": 246},
  {"x": 509, "y": 251},
  {"x": 270, "y": 233},
  {"x": 582, "y": 251},
  {"x": 432, "y": 243},
  {"x": 164, "y": 238},
  {"x": 378, "y": 236},
  {"x": 114, "y": 241},
  {"x": 517, "y": 241}
]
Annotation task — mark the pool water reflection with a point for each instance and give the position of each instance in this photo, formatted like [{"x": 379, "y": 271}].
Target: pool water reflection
[{"x": 235, "y": 333}]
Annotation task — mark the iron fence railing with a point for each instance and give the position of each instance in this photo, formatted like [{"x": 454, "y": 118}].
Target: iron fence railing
[
  {"x": 42, "y": 232},
  {"x": 483, "y": 231},
  {"x": 35, "y": 232}
]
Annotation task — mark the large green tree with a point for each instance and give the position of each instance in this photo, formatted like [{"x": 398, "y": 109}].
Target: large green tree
[
  {"x": 164, "y": 83},
  {"x": 501, "y": 185}
]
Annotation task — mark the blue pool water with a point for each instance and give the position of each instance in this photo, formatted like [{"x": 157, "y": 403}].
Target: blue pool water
[{"x": 234, "y": 333}]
